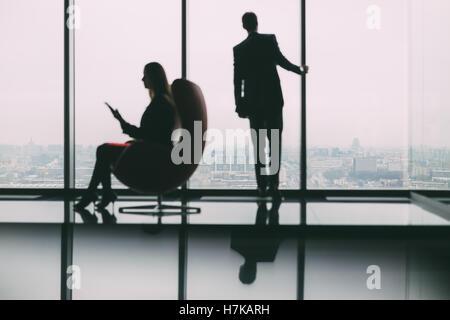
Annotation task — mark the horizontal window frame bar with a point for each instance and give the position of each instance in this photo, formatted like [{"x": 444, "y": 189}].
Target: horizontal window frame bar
[{"x": 198, "y": 193}]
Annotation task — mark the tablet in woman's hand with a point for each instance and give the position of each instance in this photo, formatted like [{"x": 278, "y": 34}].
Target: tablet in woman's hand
[{"x": 110, "y": 108}]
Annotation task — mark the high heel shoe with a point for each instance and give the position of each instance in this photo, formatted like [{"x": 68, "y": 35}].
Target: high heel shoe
[
  {"x": 107, "y": 217},
  {"x": 107, "y": 198},
  {"x": 86, "y": 216},
  {"x": 86, "y": 199}
]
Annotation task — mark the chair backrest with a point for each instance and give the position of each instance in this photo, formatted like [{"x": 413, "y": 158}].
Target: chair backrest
[
  {"x": 147, "y": 166},
  {"x": 191, "y": 109}
]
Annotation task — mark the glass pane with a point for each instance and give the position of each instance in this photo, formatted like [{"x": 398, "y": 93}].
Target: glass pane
[
  {"x": 112, "y": 45},
  {"x": 358, "y": 96},
  {"x": 31, "y": 94},
  {"x": 376, "y": 214},
  {"x": 126, "y": 262},
  {"x": 215, "y": 27},
  {"x": 377, "y": 269},
  {"x": 215, "y": 259},
  {"x": 245, "y": 213},
  {"x": 428, "y": 264},
  {"x": 341, "y": 269},
  {"x": 31, "y": 261},
  {"x": 429, "y": 61},
  {"x": 33, "y": 211}
]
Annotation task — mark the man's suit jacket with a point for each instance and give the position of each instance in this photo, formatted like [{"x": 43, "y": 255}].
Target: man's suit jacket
[{"x": 257, "y": 88}]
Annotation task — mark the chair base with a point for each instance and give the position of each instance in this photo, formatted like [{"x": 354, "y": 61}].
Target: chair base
[{"x": 160, "y": 209}]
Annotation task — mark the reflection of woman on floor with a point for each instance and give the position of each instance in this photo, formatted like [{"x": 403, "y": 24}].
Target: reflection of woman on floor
[{"x": 157, "y": 124}]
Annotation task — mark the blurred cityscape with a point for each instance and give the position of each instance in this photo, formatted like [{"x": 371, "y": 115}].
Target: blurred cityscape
[
  {"x": 31, "y": 166},
  {"x": 353, "y": 167}
]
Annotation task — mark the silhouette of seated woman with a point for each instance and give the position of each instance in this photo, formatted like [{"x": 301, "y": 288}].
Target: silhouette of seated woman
[{"x": 157, "y": 124}]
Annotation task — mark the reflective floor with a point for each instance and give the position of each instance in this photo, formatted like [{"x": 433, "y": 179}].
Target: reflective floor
[{"x": 246, "y": 249}]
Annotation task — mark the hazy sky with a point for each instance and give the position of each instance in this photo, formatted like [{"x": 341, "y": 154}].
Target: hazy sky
[
  {"x": 386, "y": 86},
  {"x": 31, "y": 71}
]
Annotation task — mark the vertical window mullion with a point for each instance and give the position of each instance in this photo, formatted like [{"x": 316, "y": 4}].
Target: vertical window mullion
[
  {"x": 69, "y": 133},
  {"x": 303, "y": 156}
]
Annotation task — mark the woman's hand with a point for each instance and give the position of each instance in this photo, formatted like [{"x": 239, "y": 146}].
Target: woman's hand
[
  {"x": 116, "y": 114},
  {"x": 123, "y": 124}
]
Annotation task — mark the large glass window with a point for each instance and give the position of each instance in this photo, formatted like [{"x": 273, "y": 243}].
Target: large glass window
[
  {"x": 429, "y": 61},
  {"x": 214, "y": 28},
  {"x": 31, "y": 94},
  {"x": 357, "y": 98},
  {"x": 377, "y": 98},
  {"x": 114, "y": 41}
]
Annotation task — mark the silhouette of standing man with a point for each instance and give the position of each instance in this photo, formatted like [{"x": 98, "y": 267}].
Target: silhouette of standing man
[{"x": 258, "y": 94}]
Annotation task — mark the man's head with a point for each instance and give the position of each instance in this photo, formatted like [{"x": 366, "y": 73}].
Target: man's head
[{"x": 250, "y": 22}]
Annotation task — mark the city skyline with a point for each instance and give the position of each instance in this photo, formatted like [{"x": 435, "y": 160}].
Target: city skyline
[{"x": 354, "y": 167}]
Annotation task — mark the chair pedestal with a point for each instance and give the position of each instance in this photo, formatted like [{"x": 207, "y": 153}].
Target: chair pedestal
[{"x": 159, "y": 209}]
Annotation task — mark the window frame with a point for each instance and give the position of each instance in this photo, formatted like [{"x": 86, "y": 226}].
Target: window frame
[{"x": 69, "y": 128}]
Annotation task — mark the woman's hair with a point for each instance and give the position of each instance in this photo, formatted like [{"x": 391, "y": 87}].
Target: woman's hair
[{"x": 155, "y": 74}]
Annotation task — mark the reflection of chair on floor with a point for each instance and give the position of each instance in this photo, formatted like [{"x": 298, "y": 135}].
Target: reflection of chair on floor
[{"x": 148, "y": 168}]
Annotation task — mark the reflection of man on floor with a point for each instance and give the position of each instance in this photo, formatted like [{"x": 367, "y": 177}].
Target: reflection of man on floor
[{"x": 260, "y": 244}]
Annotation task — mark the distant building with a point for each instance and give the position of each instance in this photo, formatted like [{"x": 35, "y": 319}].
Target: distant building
[
  {"x": 335, "y": 152},
  {"x": 395, "y": 166},
  {"x": 365, "y": 165},
  {"x": 356, "y": 145},
  {"x": 440, "y": 173}
]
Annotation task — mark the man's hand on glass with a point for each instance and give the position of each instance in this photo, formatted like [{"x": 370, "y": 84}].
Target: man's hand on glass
[{"x": 304, "y": 68}]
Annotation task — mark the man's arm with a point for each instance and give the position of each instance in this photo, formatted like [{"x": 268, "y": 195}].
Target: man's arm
[{"x": 282, "y": 61}]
